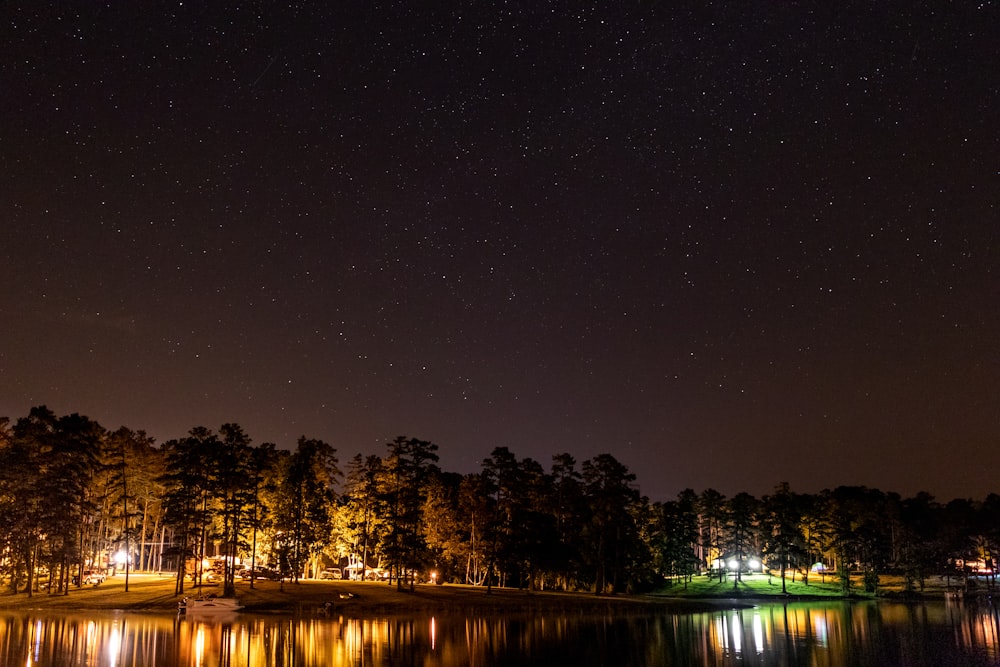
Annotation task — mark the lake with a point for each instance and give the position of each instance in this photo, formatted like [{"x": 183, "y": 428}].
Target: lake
[{"x": 859, "y": 633}]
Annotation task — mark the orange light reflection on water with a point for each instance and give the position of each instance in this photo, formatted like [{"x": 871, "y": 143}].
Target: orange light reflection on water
[{"x": 820, "y": 634}]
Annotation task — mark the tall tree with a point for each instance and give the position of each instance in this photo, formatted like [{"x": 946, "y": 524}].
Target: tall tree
[
  {"x": 127, "y": 466},
  {"x": 538, "y": 548},
  {"x": 741, "y": 531},
  {"x": 570, "y": 510},
  {"x": 611, "y": 495},
  {"x": 959, "y": 537},
  {"x": 188, "y": 483},
  {"x": 476, "y": 509},
  {"x": 712, "y": 510},
  {"x": 522, "y": 528},
  {"x": 500, "y": 476},
  {"x": 360, "y": 510},
  {"x": 817, "y": 533},
  {"x": 20, "y": 472},
  {"x": 782, "y": 527},
  {"x": 919, "y": 539},
  {"x": 860, "y": 533},
  {"x": 261, "y": 479},
  {"x": 308, "y": 496},
  {"x": 445, "y": 533},
  {"x": 678, "y": 536},
  {"x": 235, "y": 490},
  {"x": 61, "y": 456},
  {"x": 406, "y": 469}
]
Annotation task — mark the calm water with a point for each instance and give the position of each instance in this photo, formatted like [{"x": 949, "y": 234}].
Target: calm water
[{"x": 794, "y": 634}]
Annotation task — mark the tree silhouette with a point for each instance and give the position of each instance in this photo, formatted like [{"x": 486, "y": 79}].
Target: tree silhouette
[
  {"x": 611, "y": 496},
  {"x": 781, "y": 523}
]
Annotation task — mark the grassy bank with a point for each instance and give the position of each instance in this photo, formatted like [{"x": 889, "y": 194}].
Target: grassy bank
[
  {"x": 762, "y": 586},
  {"x": 156, "y": 593},
  {"x": 756, "y": 585},
  {"x": 150, "y": 592}
]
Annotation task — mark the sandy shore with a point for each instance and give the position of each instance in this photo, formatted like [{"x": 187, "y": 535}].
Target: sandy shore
[{"x": 148, "y": 592}]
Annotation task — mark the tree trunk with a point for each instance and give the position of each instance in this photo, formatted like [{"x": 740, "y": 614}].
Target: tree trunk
[
  {"x": 253, "y": 544},
  {"x": 80, "y": 559},
  {"x": 32, "y": 555},
  {"x": 163, "y": 540},
  {"x": 142, "y": 535},
  {"x": 181, "y": 565}
]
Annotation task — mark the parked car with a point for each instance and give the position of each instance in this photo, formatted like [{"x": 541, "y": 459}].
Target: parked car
[
  {"x": 93, "y": 578},
  {"x": 259, "y": 573},
  {"x": 331, "y": 573}
]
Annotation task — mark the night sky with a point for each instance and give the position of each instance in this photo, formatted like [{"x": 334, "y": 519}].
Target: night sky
[{"x": 730, "y": 243}]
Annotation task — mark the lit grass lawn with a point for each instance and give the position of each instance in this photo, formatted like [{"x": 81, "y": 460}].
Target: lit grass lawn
[
  {"x": 753, "y": 585},
  {"x": 155, "y": 593},
  {"x": 146, "y": 591},
  {"x": 763, "y": 586}
]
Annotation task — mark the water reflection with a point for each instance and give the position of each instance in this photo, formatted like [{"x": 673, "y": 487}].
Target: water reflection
[{"x": 792, "y": 634}]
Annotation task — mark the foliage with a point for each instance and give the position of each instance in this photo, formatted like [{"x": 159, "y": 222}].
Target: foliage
[
  {"x": 305, "y": 502},
  {"x": 72, "y": 494}
]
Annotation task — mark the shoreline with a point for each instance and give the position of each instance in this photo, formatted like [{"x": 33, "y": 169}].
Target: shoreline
[{"x": 155, "y": 593}]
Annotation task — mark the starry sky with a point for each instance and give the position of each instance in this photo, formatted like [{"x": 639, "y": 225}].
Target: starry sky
[{"x": 730, "y": 243}]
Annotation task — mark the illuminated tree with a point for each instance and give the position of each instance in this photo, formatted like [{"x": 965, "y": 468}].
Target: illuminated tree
[
  {"x": 34, "y": 437},
  {"x": 742, "y": 530},
  {"x": 306, "y": 500},
  {"x": 686, "y": 527},
  {"x": 712, "y": 510},
  {"x": 19, "y": 518},
  {"x": 131, "y": 467},
  {"x": 817, "y": 532},
  {"x": 359, "y": 520},
  {"x": 56, "y": 459},
  {"x": 476, "y": 509},
  {"x": 188, "y": 484},
  {"x": 406, "y": 469},
  {"x": 781, "y": 524},
  {"x": 260, "y": 481},
  {"x": 445, "y": 532},
  {"x": 234, "y": 490}
]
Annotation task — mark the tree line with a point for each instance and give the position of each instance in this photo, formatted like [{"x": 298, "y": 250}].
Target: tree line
[{"x": 74, "y": 495}]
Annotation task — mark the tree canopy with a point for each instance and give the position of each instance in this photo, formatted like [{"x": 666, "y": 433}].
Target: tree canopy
[{"x": 212, "y": 505}]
